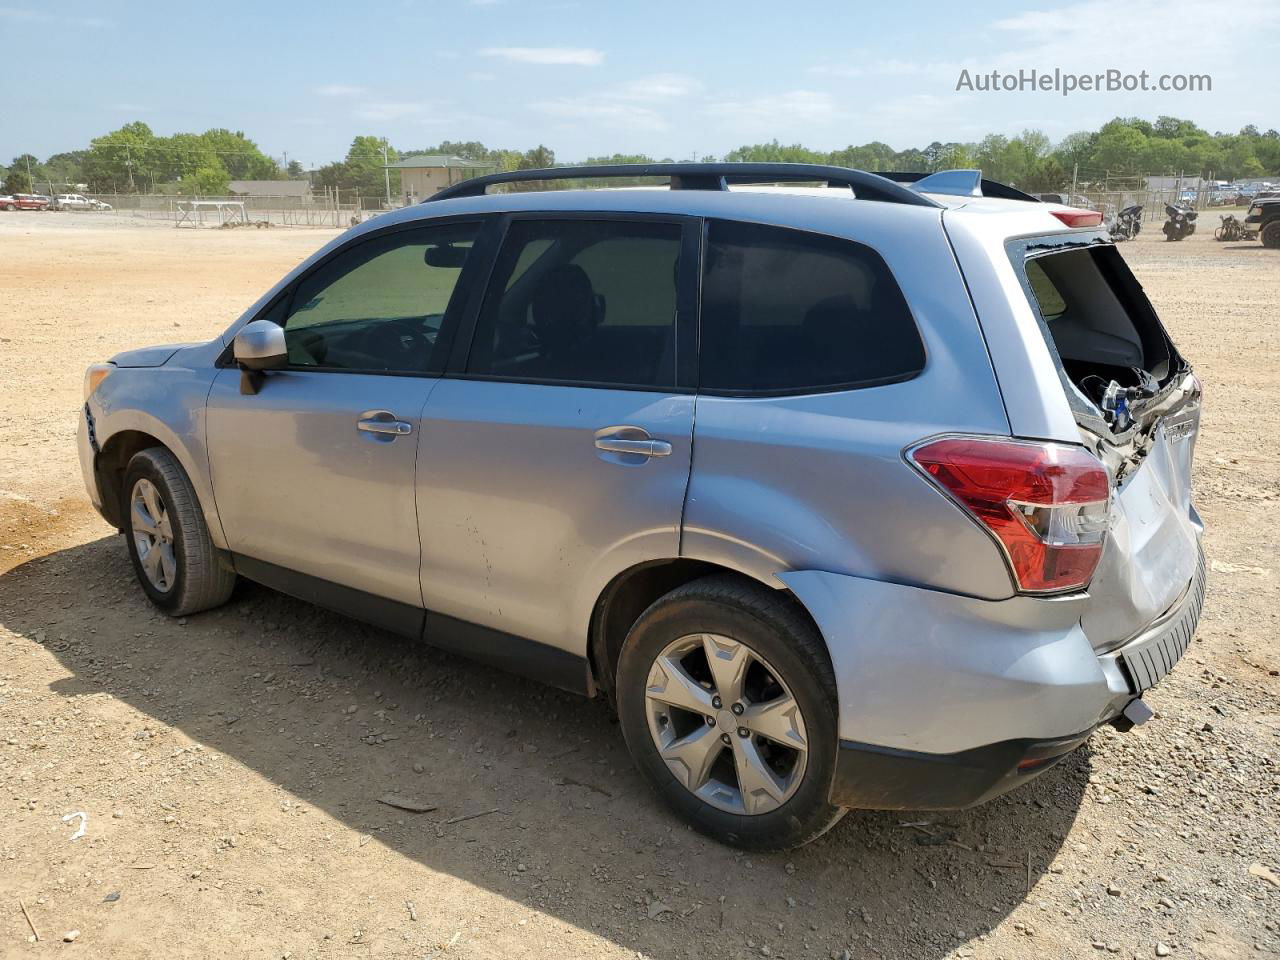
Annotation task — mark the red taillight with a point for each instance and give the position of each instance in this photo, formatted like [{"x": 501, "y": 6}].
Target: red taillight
[
  {"x": 1046, "y": 503},
  {"x": 1078, "y": 218}
]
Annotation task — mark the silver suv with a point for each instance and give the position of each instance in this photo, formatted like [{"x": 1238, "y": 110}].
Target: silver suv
[{"x": 870, "y": 493}]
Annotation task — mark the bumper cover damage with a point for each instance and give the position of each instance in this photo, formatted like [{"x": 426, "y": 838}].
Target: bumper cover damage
[{"x": 932, "y": 685}]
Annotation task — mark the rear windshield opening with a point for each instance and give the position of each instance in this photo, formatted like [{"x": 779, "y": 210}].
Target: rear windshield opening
[{"x": 1101, "y": 323}]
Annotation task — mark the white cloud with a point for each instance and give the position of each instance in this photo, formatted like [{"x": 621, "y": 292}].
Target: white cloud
[
  {"x": 389, "y": 110},
  {"x": 611, "y": 112},
  {"x": 803, "y": 105},
  {"x": 339, "y": 90},
  {"x": 866, "y": 65},
  {"x": 658, "y": 86},
  {"x": 565, "y": 56},
  {"x": 39, "y": 16},
  {"x": 632, "y": 105},
  {"x": 1068, "y": 36}
]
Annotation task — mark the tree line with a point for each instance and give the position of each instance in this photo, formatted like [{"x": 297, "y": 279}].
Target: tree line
[{"x": 133, "y": 159}]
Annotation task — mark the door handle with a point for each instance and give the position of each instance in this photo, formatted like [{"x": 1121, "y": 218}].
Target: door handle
[
  {"x": 383, "y": 422},
  {"x": 633, "y": 440}
]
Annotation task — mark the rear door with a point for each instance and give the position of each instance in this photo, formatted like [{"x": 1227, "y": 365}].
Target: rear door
[
  {"x": 557, "y": 451},
  {"x": 315, "y": 472}
]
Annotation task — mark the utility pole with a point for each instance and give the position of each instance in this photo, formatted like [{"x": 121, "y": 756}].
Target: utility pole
[
  {"x": 386, "y": 171},
  {"x": 1075, "y": 174},
  {"x": 128, "y": 162}
]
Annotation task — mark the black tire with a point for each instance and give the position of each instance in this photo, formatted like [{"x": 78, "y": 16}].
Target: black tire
[
  {"x": 770, "y": 624},
  {"x": 1271, "y": 235},
  {"x": 203, "y": 578}
]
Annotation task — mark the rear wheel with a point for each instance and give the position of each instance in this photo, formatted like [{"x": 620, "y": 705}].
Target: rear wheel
[
  {"x": 727, "y": 702},
  {"x": 1271, "y": 234},
  {"x": 179, "y": 568}
]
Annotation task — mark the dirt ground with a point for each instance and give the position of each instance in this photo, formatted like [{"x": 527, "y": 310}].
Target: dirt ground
[{"x": 231, "y": 766}]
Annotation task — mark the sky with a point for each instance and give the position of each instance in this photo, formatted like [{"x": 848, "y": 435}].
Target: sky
[{"x": 663, "y": 78}]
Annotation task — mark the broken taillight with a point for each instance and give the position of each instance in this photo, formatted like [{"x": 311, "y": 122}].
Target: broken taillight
[{"x": 1046, "y": 504}]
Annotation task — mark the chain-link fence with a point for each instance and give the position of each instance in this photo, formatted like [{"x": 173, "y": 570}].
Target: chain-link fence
[{"x": 324, "y": 210}]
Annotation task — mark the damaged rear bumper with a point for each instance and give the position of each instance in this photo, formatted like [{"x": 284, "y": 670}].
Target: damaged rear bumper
[{"x": 948, "y": 701}]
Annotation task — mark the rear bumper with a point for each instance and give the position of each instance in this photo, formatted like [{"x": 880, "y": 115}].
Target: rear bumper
[
  {"x": 946, "y": 701},
  {"x": 881, "y": 778}
]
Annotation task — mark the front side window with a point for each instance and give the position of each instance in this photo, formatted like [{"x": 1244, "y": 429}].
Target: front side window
[
  {"x": 581, "y": 301},
  {"x": 788, "y": 311},
  {"x": 380, "y": 305}
]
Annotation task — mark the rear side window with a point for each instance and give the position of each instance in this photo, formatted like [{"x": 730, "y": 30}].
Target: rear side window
[
  {"x": 784, "y": 311},
  {"x": 581, "y": 301}
]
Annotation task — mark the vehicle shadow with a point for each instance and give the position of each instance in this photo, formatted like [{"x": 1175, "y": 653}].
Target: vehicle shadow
[{"x": 268, "y": 681}]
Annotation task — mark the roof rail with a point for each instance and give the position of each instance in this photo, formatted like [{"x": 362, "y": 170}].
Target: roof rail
[
  {"x": 960, "y": 183},
  {"x": 704, "y": 176}
]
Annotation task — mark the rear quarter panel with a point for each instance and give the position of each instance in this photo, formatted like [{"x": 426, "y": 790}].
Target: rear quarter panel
[{"x": 818, "y": 482}]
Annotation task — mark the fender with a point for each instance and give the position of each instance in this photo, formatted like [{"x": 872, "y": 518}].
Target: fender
[{"x": 168, "y": 403}]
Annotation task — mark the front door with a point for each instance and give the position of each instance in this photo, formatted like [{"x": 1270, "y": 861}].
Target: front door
[
  {"x": 558, "y": 454},
  {"x": 315, "y": 472}
]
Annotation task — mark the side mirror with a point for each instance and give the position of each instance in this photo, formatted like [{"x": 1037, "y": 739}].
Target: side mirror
[{"x": 259, "y": 346}]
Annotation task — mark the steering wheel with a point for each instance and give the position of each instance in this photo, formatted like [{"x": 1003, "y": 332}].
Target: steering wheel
[{"x": 397, "y": 345}]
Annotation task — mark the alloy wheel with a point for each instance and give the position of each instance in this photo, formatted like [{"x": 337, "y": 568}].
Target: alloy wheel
[
  {"x": 725, "y": 724},
  {"x": 153, "y": 535}
]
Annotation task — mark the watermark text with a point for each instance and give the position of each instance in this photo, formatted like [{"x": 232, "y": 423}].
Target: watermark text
[{"x": 1066, "y": 83}]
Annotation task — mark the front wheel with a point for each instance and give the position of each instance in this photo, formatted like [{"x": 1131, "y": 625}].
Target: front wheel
[
  {"x": 727, "y": 701},
  {"x": 1271, "y": 234},
  {"x": 179, "y": 568}
]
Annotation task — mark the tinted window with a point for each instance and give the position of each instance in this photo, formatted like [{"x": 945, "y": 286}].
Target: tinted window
[
  {"x": 1046, "y": 294},
  {"x": 381, "y": 304},
  {"x": 582, "y": 301},
  {"x": 784, "y": 310}
]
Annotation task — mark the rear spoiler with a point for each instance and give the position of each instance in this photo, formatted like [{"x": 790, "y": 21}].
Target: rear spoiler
[{"x": 957, "y": 183}]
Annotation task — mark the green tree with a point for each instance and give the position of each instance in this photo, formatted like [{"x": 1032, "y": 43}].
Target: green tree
[
  {"x": 1076, "y": 148},
  {"x": 28, "y": 164},
  {"x": 621, "y": 158},
  {"x": 17, "y": 181},
  {"x": 1119, "y": 149},
  {"x": 240, "y": 156},
  {"x": 207, "y": 181},
  {"x": 66, "y": 170},
  {"x": 363, "y": 169},
  {"x": 118, "y": 161}
]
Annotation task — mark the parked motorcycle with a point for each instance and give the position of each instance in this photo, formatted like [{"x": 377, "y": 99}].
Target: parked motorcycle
[
  {"x": 1128, "y": 223},
  {"x": 1181, "y": 223}
]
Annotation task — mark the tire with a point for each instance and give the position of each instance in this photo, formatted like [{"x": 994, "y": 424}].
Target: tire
[
  {"x": 1271, "y": 235},
  {"x": 10, "y": 207},
  {"x": 188, "y": 573},
  {"x": 778, "y": 639}
]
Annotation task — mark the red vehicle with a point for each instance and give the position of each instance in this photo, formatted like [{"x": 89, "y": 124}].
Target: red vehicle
[{"x": 24, "y": 201}]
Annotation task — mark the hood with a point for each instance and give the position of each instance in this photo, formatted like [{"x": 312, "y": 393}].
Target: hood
[{"x": 156, "y": 356}]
